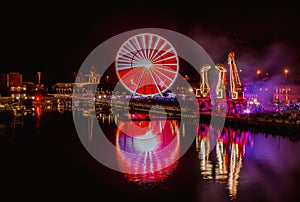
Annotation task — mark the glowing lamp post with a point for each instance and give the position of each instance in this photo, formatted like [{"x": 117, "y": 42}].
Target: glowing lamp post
[
  {"x": 286, "y": 71},
  {"x": 258, "y": 72}
]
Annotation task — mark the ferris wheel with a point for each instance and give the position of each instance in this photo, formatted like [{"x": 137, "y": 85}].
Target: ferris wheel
[{"x": 147, "y": 64}]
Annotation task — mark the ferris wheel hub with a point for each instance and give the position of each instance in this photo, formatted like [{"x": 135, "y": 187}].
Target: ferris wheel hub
[{"x": 146, "y": 63}]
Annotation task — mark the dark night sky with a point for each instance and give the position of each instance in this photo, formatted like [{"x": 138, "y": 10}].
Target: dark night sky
[{"x": 55, "y": 39}]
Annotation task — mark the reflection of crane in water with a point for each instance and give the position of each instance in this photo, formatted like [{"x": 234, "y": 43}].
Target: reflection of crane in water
[
  {"x": 230, "y": 149},
  {"x": 236, "y": 163},
  {"x": 203, "y": 147}
]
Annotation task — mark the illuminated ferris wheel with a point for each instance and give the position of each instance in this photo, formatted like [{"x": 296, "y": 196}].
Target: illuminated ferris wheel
[{"x": 147, "y": 64}]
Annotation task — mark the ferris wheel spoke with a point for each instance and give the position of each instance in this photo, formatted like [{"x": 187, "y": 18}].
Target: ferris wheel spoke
[
  {"x": 123, "y": 63},
  {"x": 155, "y": 83},
  {"x": 155, "y": 46},
  {"x": 127, "y": 60},
  {"x": 165, "y": 69},
  {"x": 162, "y": 74},
  {"x": 167, "y": 58},
  {"x": 165, "y": 52},
  {"x": 135, "y": 52},
  {"x": 158, "y": 51},
  {"x": 167, "y": 65},
  {"x": 127, "y": 67},
  {"x": 124, "y": 67},
  {"x": 140, "y": 80},
  {"x": 160, "y": 79},
  {"x": 126, "y": 54},
  {"x": 139, "y": 48},
  {"x": 149, "y": 46},
  {"x": 135, "y": 65},
  {"x": 144, "y": 46},
  {"x": 130, "y": 53}
]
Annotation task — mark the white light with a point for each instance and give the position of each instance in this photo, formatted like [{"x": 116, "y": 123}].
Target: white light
[
  {"x": 247, "y": 111},
  {"x": 146, "y": 143}
]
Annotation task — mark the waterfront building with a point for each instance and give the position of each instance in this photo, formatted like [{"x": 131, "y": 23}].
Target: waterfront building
[
  {"x": 14, "y": 81},
  {"x": 287, "y": 92}
]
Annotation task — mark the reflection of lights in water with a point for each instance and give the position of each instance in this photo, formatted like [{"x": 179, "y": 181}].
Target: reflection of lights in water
[
  {"x": 200, "y": 133},
  {"x": 234, "y": 171},
  {"x": 148, "y": 157},
  {"x": 203, "y": 147},
  {"x": 109, "y": 118},
  {"x": 205, "y": 164},
  {"x": 183, "y": 129},
  {"x": 230, "y": 152},
  {"x": 146, "y": 143},
  {"x": 90, "y": 128},
  {"x": 222, "y": 161},
  {"x": 39, "y": 114},
  {"x": 60, "y": 109}
]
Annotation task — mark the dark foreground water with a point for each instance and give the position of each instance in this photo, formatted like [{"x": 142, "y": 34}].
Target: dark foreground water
[{"x": 45, "y": 159}]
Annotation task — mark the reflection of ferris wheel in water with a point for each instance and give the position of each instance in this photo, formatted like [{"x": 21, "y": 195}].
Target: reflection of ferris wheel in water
[{"x": 147, "y": 64}]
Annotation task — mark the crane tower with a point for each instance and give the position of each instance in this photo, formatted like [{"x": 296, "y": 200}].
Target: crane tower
[
  {"x": 204, "y": 86},
  {"x": 221, "y": 85},
  {"x": 237, "y": 92}
]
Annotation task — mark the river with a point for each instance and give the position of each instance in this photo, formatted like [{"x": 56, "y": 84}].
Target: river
[{"x": 47, "y": 158}]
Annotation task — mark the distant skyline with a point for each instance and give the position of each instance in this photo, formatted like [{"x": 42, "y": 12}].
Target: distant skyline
[{"x": 55, "y": 39}]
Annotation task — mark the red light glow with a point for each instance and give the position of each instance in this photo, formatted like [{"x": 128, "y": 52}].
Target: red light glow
[{"x": 150, "y": 159}]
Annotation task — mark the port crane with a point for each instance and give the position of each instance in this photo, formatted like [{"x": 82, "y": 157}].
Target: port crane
[
  {"x": 221, "y": 85},
  {"x": 236, "y": 88}
]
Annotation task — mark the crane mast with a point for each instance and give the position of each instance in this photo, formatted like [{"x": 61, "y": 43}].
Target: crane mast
[
  {"x": 236, "y": 87},
  {"x": 221, "y": 85},
  {"x": 204, "y": 86}
]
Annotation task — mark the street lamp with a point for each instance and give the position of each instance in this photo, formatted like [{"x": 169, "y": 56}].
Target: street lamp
[
  {"x": 107, "y": 78},
  {"x": 186, "y": 77},
  {"x": 258, "y": 72},
  {"x": 286, "y": 71}
]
